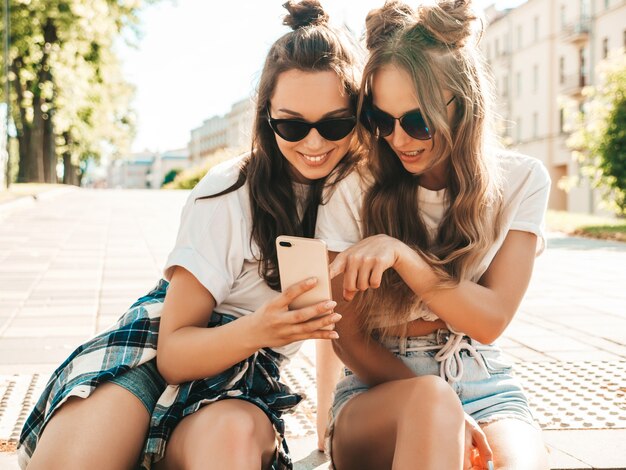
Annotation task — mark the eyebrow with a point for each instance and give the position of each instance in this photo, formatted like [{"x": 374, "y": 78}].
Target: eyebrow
[
  {"x": 403, "y": 114},
  {"x": 330, "y": 113}
]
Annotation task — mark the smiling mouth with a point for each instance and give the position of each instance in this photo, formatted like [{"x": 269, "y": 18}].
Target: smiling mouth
[
  {"x": 315, "y": 160},
  {"x": 410, "y": 155}
]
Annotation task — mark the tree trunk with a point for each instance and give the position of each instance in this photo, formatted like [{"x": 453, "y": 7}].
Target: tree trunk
[
  {"x": 49, "y": 150},
  {"x": 36, "y": 143},
  {"x": 22, "y": 124},
  {"x": 44, "y": 74},
  {"x": 69, "y": 170}
]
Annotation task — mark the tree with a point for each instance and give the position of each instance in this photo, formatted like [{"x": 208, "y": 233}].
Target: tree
[
  {"x": 69, "y": 98},
  {"x": 599, "y": 139},
  {"x": 170, "y": 176}
]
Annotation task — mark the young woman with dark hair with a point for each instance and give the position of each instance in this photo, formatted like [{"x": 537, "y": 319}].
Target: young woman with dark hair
[{"x": 207, "y": 394}]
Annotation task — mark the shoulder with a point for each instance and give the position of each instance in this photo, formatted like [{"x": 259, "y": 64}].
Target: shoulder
[
  {"x": 219, "y": 178},
  {"x": 517, "y": 169},
  {"x": 202, "y": 210},
  {"x": 352, "y": 186}
]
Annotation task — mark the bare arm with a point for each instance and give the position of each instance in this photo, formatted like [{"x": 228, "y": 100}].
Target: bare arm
[
  {"x": 367, "y": 358},
  {"x": 481, "y": 310},
  {"x": 187, "y": 350}
]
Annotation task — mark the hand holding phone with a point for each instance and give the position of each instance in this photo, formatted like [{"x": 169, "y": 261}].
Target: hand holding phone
[{"x": 301, "y": 258}]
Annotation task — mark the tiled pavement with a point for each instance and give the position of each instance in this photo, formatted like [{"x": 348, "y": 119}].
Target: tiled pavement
[{"x": 72, "y": 261}]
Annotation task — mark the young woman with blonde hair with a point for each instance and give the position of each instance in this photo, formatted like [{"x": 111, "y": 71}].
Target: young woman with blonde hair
[
  {"x": 437, "y": 249},
  {"x": 223, "y": 329}
]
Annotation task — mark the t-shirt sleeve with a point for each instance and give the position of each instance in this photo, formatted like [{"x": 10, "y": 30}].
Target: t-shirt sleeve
[
  {"x": 209, "y": 243},
  {"x": 530, "y": 214},
  {"x": 339, "y": 219}
]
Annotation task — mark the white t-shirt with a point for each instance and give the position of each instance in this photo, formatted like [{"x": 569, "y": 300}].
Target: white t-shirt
[
  {"x": 526, "y": 187},
  {"x": 214, "y": 244}
]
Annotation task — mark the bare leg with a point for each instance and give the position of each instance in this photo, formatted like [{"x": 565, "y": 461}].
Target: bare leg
[
  {"x": 516, "y": 445},
  {"x": 105, "y": 431},
  {"x": 404, "y": 424},
  {"x": 231, "y": 434},
  {"x": 328, "y": 368}
]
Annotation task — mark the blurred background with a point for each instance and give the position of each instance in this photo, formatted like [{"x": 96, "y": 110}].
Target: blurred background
[{"x": 151, "y": 93}]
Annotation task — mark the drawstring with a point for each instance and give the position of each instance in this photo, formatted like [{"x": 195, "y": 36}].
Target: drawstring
[{"x": 449, "y": 354}]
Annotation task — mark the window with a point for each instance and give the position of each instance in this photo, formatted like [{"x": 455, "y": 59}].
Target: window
[
  {"x": 505, "y": 86},
  {"x": 497, "y": 47},
  {"x": 519, "y": 37},
  {"x": 518, "y": 82},
  {"x": 561, "y": 120},
  {"x": 535, "y": 125},
  {"x": 535, "y": 78},
  {"x": 561, "y": 70},
  {"x": 606, "y": 4},
  {"x": 581, "y": 69},
  {"x": 563, "y": 17},
  {"x": 605, "y": 48},
  {"x": 519, "y": 129},
  {"x": 536, "y": 29}
]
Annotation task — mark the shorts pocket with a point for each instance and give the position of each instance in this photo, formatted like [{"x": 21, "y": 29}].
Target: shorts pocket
[{"x": 496, "y": 364}]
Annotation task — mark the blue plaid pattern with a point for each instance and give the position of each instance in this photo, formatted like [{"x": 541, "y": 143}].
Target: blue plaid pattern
[{"x": 132, "y": 341}]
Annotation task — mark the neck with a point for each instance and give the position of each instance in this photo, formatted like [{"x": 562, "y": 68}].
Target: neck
[{"x": 435, "y": 178}]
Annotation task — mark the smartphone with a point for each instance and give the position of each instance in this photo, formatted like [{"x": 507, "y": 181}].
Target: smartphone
[{"x": 299, "y": 259}]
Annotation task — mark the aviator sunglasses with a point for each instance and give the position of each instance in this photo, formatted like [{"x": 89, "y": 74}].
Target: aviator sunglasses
[
  {"x": 293, "y": 130},
  {"x": 384, "y": 123}
]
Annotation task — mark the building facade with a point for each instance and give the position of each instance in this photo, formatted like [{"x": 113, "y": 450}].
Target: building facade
[
  {"x": 164, "y": 162},
  {"x": 145, "y": 170},
  {"x": 233, "y": 130},
  {"x": 542, "y": 54}
]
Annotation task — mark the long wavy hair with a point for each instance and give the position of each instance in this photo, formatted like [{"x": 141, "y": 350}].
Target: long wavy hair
[
  {"x": 312, "y": 46},
  {"x": 437, "y": 46}
]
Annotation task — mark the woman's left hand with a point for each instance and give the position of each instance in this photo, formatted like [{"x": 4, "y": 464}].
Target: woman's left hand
[
  {"x": 478, "y": 454},
  {"x": 364, "y": 263}
]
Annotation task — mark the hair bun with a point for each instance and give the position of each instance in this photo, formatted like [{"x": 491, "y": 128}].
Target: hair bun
[
  {"x": 304, "y": 13},
  {"x": 383, "y": 22},
  {"x": 449, "y": 22}
]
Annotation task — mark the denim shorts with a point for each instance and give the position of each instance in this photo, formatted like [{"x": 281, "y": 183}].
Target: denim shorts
[
  {"x": 487, "y": 389},
  {"x": 144, "y": 382}
]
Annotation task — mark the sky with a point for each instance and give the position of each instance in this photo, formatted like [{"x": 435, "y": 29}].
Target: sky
[{"x": 195, "y": 58}]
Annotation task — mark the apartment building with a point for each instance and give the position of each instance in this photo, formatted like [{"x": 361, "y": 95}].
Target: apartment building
[
  {"x": 233, "y": 130},
  {"x": 542, "y": 54}
]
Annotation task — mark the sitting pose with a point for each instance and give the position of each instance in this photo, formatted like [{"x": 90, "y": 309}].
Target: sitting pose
[
  {"x": 207, "y": 394},
  {"x": 437, "y": 247}
]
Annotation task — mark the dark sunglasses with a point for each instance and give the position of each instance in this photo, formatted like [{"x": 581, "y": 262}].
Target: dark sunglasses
[
  {"x": 383, "y": 123},
  {"x": 293, "y": 130}
]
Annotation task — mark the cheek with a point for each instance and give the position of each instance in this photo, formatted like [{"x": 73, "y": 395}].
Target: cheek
[
  {"x": 283, "y": 146},
  {"x": 343, "y": 146}
]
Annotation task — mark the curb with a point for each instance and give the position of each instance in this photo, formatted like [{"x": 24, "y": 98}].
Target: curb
[{"x": 25, "y": 201}]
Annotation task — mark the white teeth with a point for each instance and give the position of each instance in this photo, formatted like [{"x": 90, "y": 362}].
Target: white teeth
[
  {"x": 315, "y": 159},
  {"x": 412, "y": 154}
]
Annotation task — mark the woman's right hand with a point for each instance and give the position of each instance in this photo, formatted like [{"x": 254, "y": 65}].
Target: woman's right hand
[{"x": 275, "y": 325}]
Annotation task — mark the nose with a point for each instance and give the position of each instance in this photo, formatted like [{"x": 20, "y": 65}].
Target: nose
[
  {"x": 313, "y": 140},
  {"x": 399, "y": 137}
]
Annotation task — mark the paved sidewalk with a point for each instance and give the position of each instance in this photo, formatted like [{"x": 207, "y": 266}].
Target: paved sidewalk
[{"x": 71, "y": 263}]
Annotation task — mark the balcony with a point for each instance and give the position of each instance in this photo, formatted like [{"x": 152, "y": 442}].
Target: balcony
[
  {"x": 573, "y": 85},
  {"x": 578, "y": 32}
]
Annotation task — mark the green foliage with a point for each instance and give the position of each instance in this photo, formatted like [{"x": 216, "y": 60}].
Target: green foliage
[
  {"x": 586, "y": 225},
  {"x": 169, "y": 177},
  {"x": 67, "y": 80},
  {"x": 187, "y": 179},
  {"x": 600, "y": 137}
]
